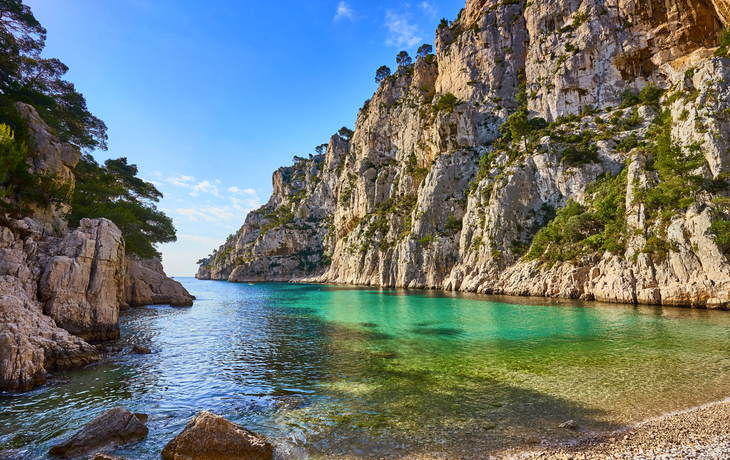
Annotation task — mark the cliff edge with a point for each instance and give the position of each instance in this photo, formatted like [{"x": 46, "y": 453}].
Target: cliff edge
[{"x": 573, "y": 149}]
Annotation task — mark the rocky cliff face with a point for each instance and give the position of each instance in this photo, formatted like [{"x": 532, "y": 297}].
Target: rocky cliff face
[
  {"x": 611, "y": 185},
  {"x": 60, "y": 287}
]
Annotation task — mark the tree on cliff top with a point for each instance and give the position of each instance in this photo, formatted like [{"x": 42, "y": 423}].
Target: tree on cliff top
[
  {"x": 382, "y": 73},
  {"x": 403, "y": 59},
  {"x": 27, "y": 77},
  {"x": 425, "y": 50},
  {"x": 114, "y": 191}
]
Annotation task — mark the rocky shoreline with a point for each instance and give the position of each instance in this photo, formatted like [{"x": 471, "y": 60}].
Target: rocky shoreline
[{"x": 701, "y": 432}]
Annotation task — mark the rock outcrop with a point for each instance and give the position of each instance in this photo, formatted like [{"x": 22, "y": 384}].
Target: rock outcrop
[
  {"x": 82, "y": 285},
  {"x": 439, "y": 188},
  {"x": 60, "y": 287},
  {"x": 211, "y": 437},
  {"x": 147, "y": 284},
  {"x": 31, "y": 345},
  {"x": 115, "y": 427}
]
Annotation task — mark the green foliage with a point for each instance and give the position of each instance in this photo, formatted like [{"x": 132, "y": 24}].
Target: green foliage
[
  {"x": 453, "y": 224},
  {"x": 382, "y": 73},
  {"x": 657, "y": 247},
  {"x": 720, "y": 229},
  {"x": 279, "y": 217},
  {"x": 446, "y": 103},
  {"x": 424, "y": 50},
  {"x": 115, "y": 192},
  {"x": 650, "y": 94},
  {"x": 517, "y": 125},
  {"x": 426, "y": 240},
  {"x": 723, "y": 44},
  {"x": 19, "y": 188},
  {"x": 346, "y": 133},
  {"x": 347, "y": 191},
  {"x": 580, "y": 150},
  {"x": 577, "y": 230},
  {"x": 27, "y": 77},
  {"x": 403, "y": 59},
  {"x": 677, "y": 185},
  {"x": 628, "y": 99},
  {"x": 420, "y": 174}
]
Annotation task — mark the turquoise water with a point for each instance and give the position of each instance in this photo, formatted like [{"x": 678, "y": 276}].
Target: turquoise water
[{"x": 326, "y": 370}]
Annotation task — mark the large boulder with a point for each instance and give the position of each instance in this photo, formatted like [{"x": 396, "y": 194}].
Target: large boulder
[
  {"x": 147, "y": 284},
  {"x": 82, "y": 285},
  {"x": 30, "y": 343},
  {"x": 211, "y": 437},
  {"x": 114, "y": 427}
]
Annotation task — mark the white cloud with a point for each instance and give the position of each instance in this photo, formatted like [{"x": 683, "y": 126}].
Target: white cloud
[
  {"x": 344, "y": 11},
  {"x": 238, "y": 191},
  {"x": 204, "y": 187},
  {"x": 428, "y": 8},
  {"x": 401, "y": 32},
  {"x": 181, "y": 181}
]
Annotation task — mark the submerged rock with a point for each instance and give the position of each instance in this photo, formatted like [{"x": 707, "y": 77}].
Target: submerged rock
[
  {"x": 141, "y": 350},
  {"x": 114, "y": 427},
  {"x": 105, "y": 456},
  {"x": 211, "y": 437},
  {"x": 569, "y": 425}
]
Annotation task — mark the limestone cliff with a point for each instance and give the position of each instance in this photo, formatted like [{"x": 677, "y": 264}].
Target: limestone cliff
[
  {"x": 60, "y": 287},
  {"x": 491, "y": 166}
]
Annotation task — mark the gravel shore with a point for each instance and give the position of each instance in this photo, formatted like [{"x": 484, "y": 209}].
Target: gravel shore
[{"x": 699, "y": 433}]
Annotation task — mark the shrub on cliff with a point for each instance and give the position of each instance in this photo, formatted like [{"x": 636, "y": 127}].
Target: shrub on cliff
[{"x": 19, "y": 188}]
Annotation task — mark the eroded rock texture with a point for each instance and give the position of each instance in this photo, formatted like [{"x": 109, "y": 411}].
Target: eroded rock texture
[
  {"x": 425, "y": 194},
  {"x": 60, "y": 287}
]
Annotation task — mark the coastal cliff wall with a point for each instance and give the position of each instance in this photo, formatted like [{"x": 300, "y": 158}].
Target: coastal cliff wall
[
  {"x": 550, "y": 148},
  {"x": 61, "y": 287}
]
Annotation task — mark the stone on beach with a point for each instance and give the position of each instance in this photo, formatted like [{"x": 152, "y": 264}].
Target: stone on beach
[
  {"x": 114, "y": 427},
  {"x": 211, "y": 437}
]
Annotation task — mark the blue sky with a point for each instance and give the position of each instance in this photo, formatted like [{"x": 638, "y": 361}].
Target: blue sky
[{"x": 209, "y": 98}]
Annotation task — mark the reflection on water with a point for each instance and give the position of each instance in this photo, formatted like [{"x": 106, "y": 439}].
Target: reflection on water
[{"x": 371, "y": 371}]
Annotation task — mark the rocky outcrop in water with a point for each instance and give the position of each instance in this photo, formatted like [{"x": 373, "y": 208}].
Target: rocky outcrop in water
[
  {"x": 147, "y": 284},
  {"x": 115, "y": 427},
  {"x": 31, "y": 345},
  {"x": 55, "y": 281},
  {"x": 82, "y": 285},
  {"x": 208, "y": 436},
  {"x": 430, "y": 192}
]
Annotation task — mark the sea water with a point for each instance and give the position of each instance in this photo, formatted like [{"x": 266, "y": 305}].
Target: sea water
[{"x": 369, "y": 372}]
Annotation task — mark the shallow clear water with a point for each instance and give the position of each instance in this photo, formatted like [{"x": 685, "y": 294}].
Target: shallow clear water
[{"x": 369, "y": 372}]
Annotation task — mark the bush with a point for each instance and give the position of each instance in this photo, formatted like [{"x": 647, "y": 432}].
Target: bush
[
  {"x": 453, "y": 224},
  {"x": 576, "y": 230},
  {"x": 446, "y": 103},
  {"x": 628, "y": 99},
  {"x": 650, "y": 94},
  {"x": 724, "y": 44}
]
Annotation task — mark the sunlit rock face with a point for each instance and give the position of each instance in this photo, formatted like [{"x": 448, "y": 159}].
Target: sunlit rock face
[{"x": 424, "y": 195}]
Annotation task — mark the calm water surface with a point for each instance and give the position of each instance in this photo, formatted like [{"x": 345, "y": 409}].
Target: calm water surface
[{"x": 369, "y": 372}]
